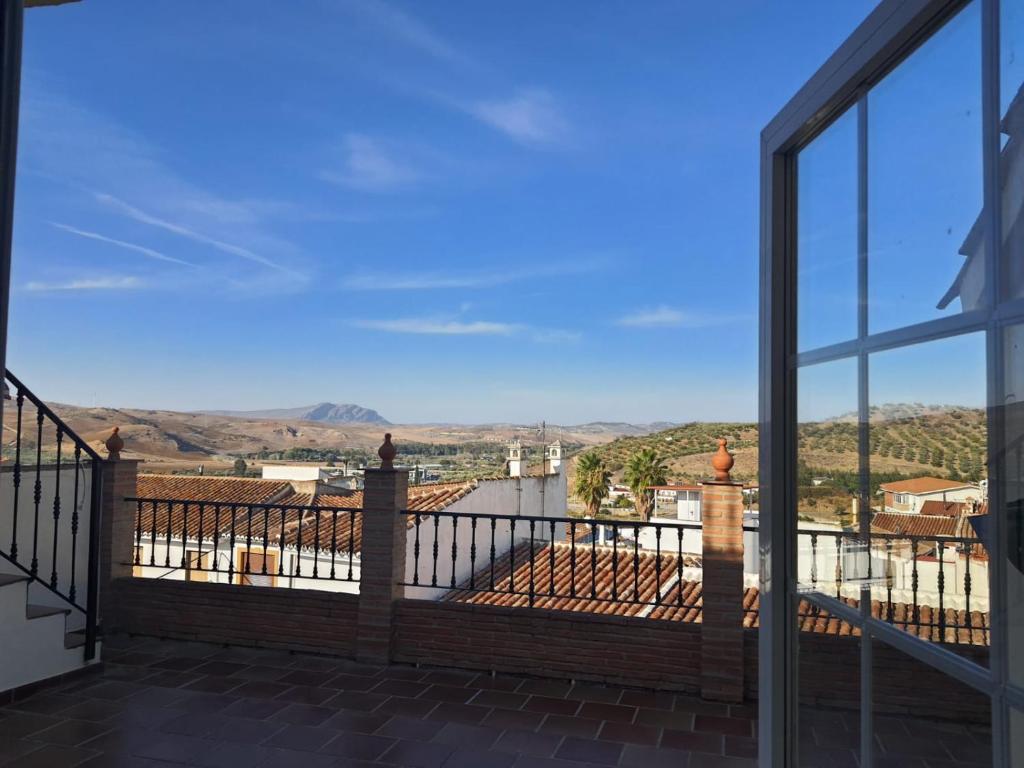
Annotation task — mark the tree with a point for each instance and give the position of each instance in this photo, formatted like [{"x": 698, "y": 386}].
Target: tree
[
  {"x": 591, "y": 482},
  {"x": 240, "y": 467},
  {"x": 644, "y": 469}
]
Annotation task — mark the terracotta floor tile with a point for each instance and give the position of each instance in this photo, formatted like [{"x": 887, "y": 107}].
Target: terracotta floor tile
[{"x": 585, "y": 750}]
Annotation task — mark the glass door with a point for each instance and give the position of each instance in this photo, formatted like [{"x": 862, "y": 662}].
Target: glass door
[{"x": 892, "y": 369}]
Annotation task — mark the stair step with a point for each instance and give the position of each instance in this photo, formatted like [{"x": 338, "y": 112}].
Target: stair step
[
  {"x": 11, "y": 578},
  {"x": 33, "y": 611},
  {"x": 74, "y": 640}
]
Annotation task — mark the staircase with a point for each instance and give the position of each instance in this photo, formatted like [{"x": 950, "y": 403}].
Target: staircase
[
  {"x": 39, "y": 641},
  {"x": 49, "y": 540}
]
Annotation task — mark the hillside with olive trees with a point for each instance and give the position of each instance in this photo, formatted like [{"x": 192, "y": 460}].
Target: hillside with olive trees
[{"x": 906, "y": 440}]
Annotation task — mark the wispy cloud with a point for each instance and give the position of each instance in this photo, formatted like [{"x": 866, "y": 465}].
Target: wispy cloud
[
  {"x": 114, "y": 283},
  {"x": 149, "y": 252},
  {"x": 532, "y": 116},
  {"x": 371, "y": 167},
  {"x": 407, "y": 30},
  {"x": 386, "y": 281},
  {"x": 555, "y": 336},
  {"x": 155, "y": 221},
  {"x": 666, "y": 317},
  {"x": 440, "y": 327}
]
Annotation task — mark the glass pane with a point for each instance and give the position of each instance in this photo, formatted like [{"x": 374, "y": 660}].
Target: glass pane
[
  {"x": 1016, "y": 737},
  {"x": 827, "y": 236},
  {"x": 827, "y": 474},
  {"x": 1013, "y": 493},
  {"x": 1012, "y": 170},
  {"x": 925, "y": 181},
  {"x": 828, "y": 682},
  {"x": 929, "y": 492}
]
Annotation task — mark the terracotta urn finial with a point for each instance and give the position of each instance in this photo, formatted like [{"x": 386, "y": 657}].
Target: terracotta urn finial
[
  {"x": 722, "y": 462},
  {"x": 387, "y": 453},
  {"x": 115, "y": 444}
]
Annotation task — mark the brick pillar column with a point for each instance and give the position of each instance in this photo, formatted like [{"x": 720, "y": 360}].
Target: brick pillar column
[
  {"x": 116, "y": 540},
  {"x": 722, "y": 624},
  {"x": 385, "y": 494}
]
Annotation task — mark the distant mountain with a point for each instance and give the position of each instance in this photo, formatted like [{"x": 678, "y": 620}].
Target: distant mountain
[{"x": 325, "y": 413}]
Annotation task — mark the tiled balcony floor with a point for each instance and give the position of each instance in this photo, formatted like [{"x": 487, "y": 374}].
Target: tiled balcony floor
[{"x": 163, "y": 703}]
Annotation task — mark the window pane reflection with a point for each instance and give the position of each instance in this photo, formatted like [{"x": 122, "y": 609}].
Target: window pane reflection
[
  {"x": 929, "y": 491},
  {"x": 925, "y": 181},
  {"x": 827, "y": 475},
  {"x": 827, "y": 236}
]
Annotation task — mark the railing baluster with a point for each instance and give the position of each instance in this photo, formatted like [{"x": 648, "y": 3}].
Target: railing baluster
[
  {"x": 199, "y": 537},
  {"x": 657, "y": 565},
  {"x": 888, "y": 579},
  {"x": 56, "y": 510},
  {"x": 216, "y": 537},
  {"x": 167, "y": 536},
  {"x": 300, "y": 515},
  {"x": 494, "y": 523},
  {"x": 593, "y": 560},
  {"x": 814, "y": 560},
  {"x": 152, "y": 534},
  {"x": 615, "y": 561},
  {"x": 967, "y": 591},
  {"x": 942, "y": 589},
  {"x": 455, "y": 547},
  {"x": 472, "y": 552},
  {"x": 232, "y": 540},
  {"x": 72, "y": 589},
  {"x": 17, "y": 476},
  {"x": 679, "y": 566},
  {"x": 636, "y": 563},
  {"x": 913, "y": 584},
  {"x": 532, "y": 581},
  {"x": 839, "y": 566},
  {"x": 334, "y": 539},
  {"x": 512, "y": 555},
  {"x": 37, "y": 491},
  {"x": 433, "y": 572},
  {"x": 266, "y": 537},
  {"x": 572, "y": 558},
  {"x": 184, "y": 536},
  {"x": 415, "y": 553},
  {"x": 352, "y": 539},
  {"x": 551, "y": 559},
  {"x": 316, "y": 543},
  {"x": 280, "y": 543}
]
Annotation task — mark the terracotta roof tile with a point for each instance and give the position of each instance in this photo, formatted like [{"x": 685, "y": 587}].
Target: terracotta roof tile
[
  {"x": 946, "y": 508},
  {"x": 914, "y": 525},
  {"x": 681, "y": 600}
]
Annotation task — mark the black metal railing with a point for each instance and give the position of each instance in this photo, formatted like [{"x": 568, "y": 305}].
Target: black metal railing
[
  {"x": 53, "y": 480},
  {"x": 246, "y": 543},
  {"x": 554, "y": 562},
  {"x": 923, "y": 584}
]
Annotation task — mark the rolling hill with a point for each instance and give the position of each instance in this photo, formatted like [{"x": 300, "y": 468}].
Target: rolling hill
[{"x": 910, "y": 439}]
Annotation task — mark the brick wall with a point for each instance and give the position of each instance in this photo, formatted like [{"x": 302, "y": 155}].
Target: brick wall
[
  {"x": 290, "y": 619},
  {"x": 830, "y": 677},
  {"x": 560, "y": 644}
]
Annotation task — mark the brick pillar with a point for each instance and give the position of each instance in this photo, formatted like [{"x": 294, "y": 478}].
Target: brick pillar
[
  {"x": 117, "y": 521},
  {"x": 722, "y": 627},
  {"x": 385, "y": 493}
]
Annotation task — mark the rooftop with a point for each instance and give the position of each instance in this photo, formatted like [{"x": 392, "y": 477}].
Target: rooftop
[{"x": 924, "y": 485}]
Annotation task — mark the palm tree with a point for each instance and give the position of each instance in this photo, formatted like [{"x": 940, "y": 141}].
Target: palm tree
[
  {"x": 591, "y": 482},
  {"x": 644, "y": 469}
]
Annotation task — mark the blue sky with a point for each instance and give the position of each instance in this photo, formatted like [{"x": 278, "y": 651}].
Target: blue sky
[{"x": 450, "y": 211}]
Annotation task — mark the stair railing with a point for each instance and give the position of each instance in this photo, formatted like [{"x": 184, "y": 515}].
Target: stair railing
[{"x": 50, "y": 480}]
